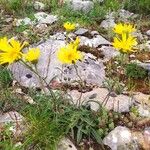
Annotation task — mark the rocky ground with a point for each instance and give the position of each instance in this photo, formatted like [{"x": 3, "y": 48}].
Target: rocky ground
[{"x": 98, "y": 51}]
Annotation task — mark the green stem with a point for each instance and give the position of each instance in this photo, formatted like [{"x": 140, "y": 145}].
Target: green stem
[
  {"x": 81, "y": 84},
  {"x": 42, "y": 80},
  {"x": 81, "y": 81}
]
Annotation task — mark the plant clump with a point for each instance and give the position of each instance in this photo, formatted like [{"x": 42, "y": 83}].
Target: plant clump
[{"x": 134, "y": 71}]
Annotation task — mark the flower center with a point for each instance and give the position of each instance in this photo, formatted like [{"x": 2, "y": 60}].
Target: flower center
[{"x": 70, "y": 56}]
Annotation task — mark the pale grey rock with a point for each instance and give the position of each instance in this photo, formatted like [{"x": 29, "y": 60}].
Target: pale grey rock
[
  {"x": 16, "y": 120},
  {"x": 18, "y": 144},
  {"x": 39, "y": 6},
  {"x": 21, "y": 74},
  {"x": 71, "y": 35},
  {"x": 109, "y": 52},
  {"x": 108, "y": 23},
  {"x": 44, "y": 18},
  {"x": 46, "y": 66},
  {"x": 121, "y": 15},
  {"x": 119, "y": 137},
  {"x": 147, "y": 44},
  {"x": 142, "y": 98},
  {"x": 132, "y": 56},
  {"x": 118, "y": 103},
  {"x": 139, "y": 36},
  {"x": 96, "y": 41},
  {"x": 93, "y": 33},
  {"x": 148, "y": 32},
  {"x": 145, "y": 66},
  {"x": 143, "y": 111},
  {"x": 58, "y": 36},
  {"x": 26, "y": 32},
  {"x": 90, "y": 70},
  {"x": 79, "y": 5},
  {"x": 99, "y": 40},
  {"x": 81, "y": 31},
  {"x": 11, "y": 116},
  {"x": 141, "y": 139},
  {"x": 25, "y": 21},
  {"x": 41, "y": 28},
  {"x": 147, "y": 134},
  {"x": 85, "y": 41},
  {"x": 100, "y": 1},
  {"x": 40, "y": 18},
  {"x": 66, "y": 144},
  {"x": 9, "y": 20},
  {"x": 144, "y": 46},
  {"x": 124, "y": 15},
  {"x": 111, "y": 15}
]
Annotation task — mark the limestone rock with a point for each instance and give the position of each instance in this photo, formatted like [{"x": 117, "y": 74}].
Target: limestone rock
[
  {"x": 66, "y": 144},
  {"x": 41, "y": 28},
  {"x": 81, "y": 31},
  {"x": 147, "y": 135},
  {"x": 99, "y": 40},
  {"x": 148, "y": 32},
  {"x": 47, "y": 65},
  {"x": 124, "y": 15},
  {"x": 121, "y": 15},
  {"x": 12, "y": 116},
  {"x": 139, "y": 36},
  {"x": 118, "y": 103},
  {"x": 25, "y": 21},
  {"x": 58, "y": 36},
  {"x": 108, "y": 23},
  {"x": 145, "y": 66},
  {"x": 142, "y": 138},
  {"x": 142, "y": 98},
  {"x": 8, "y": 20},
  {"x": 79, "y": 5},
  {"x": 17, "y": 122},
  {"x": 39, "y": 6},
  {"x": 109, "y": 52},
  {"x": 94, "y": 33},
  {"x": 44, "y": 18},
  {"x": 144, "y": 111},
  {"x": 100, "y": 1},
  {"x": 71, "y": 35},
  {"x": 119, "y": 137},
  {"x": 40, "y": 18},
  {"x": 96, "y": 41},
  {"x": 144, "y": 46},
  {"x": 90, "y": 70}
]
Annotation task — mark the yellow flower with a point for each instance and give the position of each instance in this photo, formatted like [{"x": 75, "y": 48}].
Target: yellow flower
[
  {"x": 69, "y": 54},
  {"x": 125, "y": 44},
  {"x": 76, "y": 42},
  {"x": 32, "y": 55},
  {"x": 124, "y": 28},
  {"x": 69, "y": 26},
  {"x": 10, "y": 50}
]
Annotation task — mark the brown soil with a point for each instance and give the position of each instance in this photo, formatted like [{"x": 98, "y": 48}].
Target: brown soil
[
  {"x": 136, "y": 85},
  {"x": 140, "y": 85},
  {"x": 144, "y": 56},
  {"x": 94, "y": 51}
]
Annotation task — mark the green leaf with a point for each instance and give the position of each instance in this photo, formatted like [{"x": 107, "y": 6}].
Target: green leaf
[
  {"x": 101, "y": 132},
  {"x": 111, "y": 125},
  {"x": 87, "y": 120},
  {"x": 79, "y": 134},
  {"x": 97, "y": 136}
]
